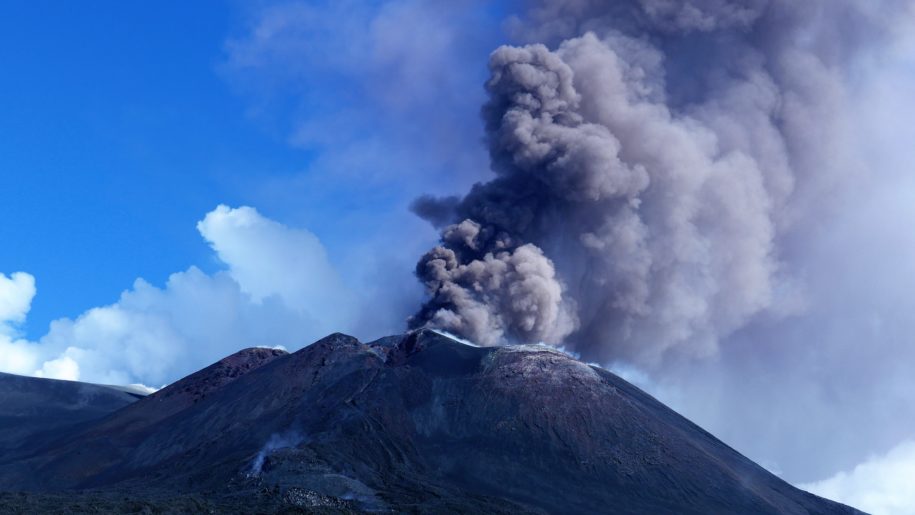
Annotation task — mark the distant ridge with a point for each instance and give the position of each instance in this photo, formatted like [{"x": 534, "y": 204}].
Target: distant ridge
[{"x": 51, "y": 408}]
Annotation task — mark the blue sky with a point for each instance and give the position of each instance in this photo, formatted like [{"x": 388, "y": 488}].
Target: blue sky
[
  {"x": 118, "y": 134},
  {"x": 124, "y": 124}
]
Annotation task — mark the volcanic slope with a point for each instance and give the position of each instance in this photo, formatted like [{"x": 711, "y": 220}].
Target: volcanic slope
[
  {"x": 419, "y": 423},
  {"x": 40, "y": 410}
]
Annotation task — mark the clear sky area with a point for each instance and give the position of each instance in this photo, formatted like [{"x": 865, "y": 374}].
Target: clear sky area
[{"x": 124, "y": 124}]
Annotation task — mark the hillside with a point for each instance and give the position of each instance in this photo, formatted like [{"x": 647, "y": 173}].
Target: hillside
[{"x": 418, "y": 422}]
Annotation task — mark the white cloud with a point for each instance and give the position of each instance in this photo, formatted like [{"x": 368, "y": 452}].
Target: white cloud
[
  {"x": 17, "y": 356},
  {"x": 278, "y": 289},
  {"x": 880, "y": 485},
  {"x": 63, "y": 367},
  {"x": 142, "y": 389},
  {"x": 16, "y": 293},
  {"x": 267, "y": 258}
]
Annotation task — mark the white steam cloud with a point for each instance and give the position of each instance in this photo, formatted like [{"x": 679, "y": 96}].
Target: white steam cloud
[{"x": 285, "y": 440}]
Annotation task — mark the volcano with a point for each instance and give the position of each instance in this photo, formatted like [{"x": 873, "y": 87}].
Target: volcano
[{"x": 412, "y": 423}]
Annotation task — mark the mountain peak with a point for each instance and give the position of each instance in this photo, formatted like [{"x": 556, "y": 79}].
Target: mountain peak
[
  {"x": 198, "y": 385},
  {"x": 414, "y": 422}
]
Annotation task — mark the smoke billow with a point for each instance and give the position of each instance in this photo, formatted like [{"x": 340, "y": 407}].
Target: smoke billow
[{"x": 653, "y": 166}]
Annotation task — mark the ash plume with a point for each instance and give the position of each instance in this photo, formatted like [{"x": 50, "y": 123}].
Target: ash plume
[{"x": 654, "y": 160}]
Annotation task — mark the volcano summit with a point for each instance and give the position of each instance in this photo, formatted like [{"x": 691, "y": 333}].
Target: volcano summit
[{"x": 411, "y": 423}]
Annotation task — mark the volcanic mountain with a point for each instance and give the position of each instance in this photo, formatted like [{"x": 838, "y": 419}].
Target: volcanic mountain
[{"x": 411, "y": 423}]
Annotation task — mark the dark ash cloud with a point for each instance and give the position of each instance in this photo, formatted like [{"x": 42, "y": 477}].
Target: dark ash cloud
[{"x": 653, "y": 166}]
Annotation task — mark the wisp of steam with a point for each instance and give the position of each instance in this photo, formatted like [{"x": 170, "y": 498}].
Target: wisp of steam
[{"x": 277, "y": 441}]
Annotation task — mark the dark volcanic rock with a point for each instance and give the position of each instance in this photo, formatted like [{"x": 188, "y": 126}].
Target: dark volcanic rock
[
  {"x": 33, "y": 409},
  {"x": 91, "y": 452},
  {"x": 413, "y": 423},
  {"x": 197, "y": 386}
]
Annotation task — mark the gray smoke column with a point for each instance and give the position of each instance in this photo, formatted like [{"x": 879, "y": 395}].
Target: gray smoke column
[{"x": 654, "y": 160}]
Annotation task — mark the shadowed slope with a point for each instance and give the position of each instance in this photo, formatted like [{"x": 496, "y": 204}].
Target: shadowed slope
[{"x": 31, "y": 406}]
